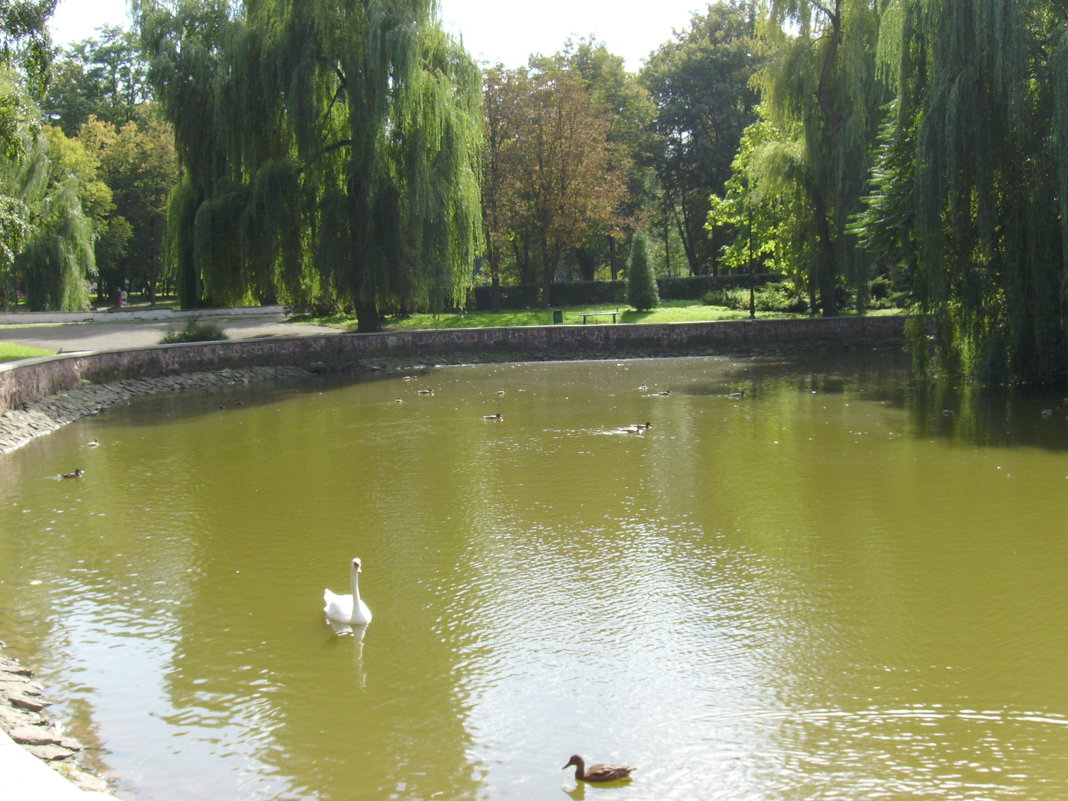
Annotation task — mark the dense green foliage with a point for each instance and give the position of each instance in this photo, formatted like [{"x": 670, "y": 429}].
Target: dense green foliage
[
  {"x": 330, "y": 152},
  {"x": 970, "y": 190},
  {"x": 104, "y": 77},
  {"x": 642, "y": 291},
  {"x": 701, "y": 85},
  {"x": 45, "y": 238},
  {"x": 821, "y": 96}
]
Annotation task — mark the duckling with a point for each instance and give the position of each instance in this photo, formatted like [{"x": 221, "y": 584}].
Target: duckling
[
  {"x": 597, "y": 773},
  {"x": 497, "y": 416},
  {"x": 76, "y": 474}
]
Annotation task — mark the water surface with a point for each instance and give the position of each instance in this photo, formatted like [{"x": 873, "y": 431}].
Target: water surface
[{"x": 803, "y": 581}]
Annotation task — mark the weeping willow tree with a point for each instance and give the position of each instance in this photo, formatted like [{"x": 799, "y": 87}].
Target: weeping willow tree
[
  {"x": 330, "y": 152},
  {"x": 971, "y": 185},
  {"x": 819, "y": 91},
  {"x": 46, "y": 239}
]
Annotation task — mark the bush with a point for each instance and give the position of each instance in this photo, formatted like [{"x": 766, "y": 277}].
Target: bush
[
  {"x": 194, "y": 331},
  {"x": 783, "y": 298},
  {"x": 736, "y": 298},
  {"x": 780, "y": 297},
  {"x": 642, "y": 291}
]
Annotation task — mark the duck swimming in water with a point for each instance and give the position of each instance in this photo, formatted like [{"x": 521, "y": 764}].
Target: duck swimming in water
[
  {"x": 76, "y": 474},
  {"x": 597, "y": 773}
]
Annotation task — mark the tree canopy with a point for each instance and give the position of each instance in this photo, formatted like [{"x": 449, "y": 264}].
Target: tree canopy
[
  {"x": 970, "y": 189},
  {"x": 555, "y": 177},
  {"x": 701, "y": 85},
  {"x": 329, "y": 152}
]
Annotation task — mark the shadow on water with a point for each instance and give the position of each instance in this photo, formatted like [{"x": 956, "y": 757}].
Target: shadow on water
[
  {"x": 972, "y": 414},
  {"x": 168, "y": 406}
]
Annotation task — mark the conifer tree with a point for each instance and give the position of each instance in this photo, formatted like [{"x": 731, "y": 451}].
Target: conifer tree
[{"x": 642, "y": 291}]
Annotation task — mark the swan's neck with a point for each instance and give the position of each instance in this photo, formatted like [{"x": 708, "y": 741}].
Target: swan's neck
[{"x": 355, "y": 589}]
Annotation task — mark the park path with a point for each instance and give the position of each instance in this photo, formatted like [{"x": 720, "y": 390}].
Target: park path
[{"x": 116, "y": 331}]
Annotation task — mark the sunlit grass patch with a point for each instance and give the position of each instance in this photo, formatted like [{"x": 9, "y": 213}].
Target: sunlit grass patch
[{"x": 12, "y": 351}]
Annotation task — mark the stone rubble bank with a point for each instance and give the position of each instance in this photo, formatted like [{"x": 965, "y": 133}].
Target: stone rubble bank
[
  {"x": 22, "y": 705},
  {"x": 19, "y": 426}
]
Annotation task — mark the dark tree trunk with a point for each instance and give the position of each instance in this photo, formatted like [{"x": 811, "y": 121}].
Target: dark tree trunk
[{"x": 368, "y": 319}]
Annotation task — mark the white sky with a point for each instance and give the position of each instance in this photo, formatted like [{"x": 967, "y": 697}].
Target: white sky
[{"x": 492, "y": 30}]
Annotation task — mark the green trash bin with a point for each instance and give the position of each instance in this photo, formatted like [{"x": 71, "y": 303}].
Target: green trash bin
[{"x": 558, "y": 316}]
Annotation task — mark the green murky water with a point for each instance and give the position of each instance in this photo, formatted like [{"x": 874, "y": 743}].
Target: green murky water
[{"x": 826, "y": 588}]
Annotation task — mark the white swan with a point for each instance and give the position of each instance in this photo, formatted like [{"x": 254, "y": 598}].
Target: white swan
[{"x": 348, "y": 608}]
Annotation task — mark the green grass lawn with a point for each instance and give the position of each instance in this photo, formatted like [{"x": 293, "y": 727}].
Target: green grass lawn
[
  {"x": 669, "y": 311},
  {"x": 10, "y": 351}
]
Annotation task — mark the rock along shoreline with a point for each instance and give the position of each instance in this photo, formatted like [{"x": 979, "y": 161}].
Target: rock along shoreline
[
  {"x": 22, "y": 705},
  {"x": 37, "y": 418}
]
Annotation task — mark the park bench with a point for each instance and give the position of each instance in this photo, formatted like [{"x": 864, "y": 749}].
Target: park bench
[{"x": 612, "y": 314}]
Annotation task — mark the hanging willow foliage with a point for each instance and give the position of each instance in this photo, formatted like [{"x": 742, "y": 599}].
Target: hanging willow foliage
[
  {"x": 819, "y": 88},
  {"x": 331, "y": 151},
  {"x": 971, "y": 182},
  {"x": 56, "y": 257}
]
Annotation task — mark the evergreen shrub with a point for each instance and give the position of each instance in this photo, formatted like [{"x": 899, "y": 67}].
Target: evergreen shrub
[{"x": 642, "y": 291}]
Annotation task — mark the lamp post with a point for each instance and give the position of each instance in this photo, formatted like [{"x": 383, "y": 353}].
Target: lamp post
[{"x": 753, "y": 197}]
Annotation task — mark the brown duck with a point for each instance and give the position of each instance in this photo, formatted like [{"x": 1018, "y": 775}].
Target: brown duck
[{"x": 597, "y": 773}]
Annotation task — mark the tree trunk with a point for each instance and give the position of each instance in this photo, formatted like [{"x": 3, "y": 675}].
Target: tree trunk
[
  {"x": 367, "y": 317},
  {"x": 587, "y": 263},
  {"x": 687, "y": 244},
  {"x": 826, "y": 266}
]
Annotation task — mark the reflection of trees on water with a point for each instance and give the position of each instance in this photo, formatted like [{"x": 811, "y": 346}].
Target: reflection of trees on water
[{"x": 940, "y": 408}]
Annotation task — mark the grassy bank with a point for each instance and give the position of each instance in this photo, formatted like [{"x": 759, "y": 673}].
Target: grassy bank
[
  {"x": 10, "y": 351},
  {"x": 676, "y": 311}
]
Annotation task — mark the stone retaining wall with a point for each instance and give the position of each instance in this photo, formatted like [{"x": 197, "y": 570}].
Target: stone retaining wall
[{"x": 32, "y": 379}]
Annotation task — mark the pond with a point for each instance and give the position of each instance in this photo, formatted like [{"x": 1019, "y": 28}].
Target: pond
[{"x": 808, "y": 578}]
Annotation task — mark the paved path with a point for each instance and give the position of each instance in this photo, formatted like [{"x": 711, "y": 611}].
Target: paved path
[{"x": 102, "y": 332}]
